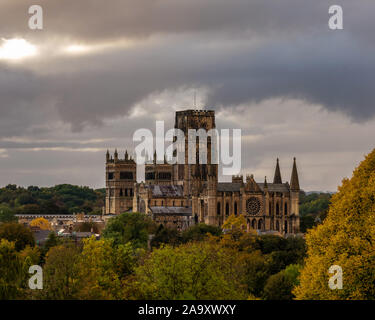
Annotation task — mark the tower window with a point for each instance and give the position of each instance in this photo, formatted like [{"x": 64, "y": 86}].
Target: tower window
[
  {"x": 227, "y": 209},
  {"x": 125, "y": 175},
  {"x": 110, "y": 175},
  {"x": 235, "y": 208},
  {"x": 286, "y": 209},
  {"x": 218, "y": 208}
]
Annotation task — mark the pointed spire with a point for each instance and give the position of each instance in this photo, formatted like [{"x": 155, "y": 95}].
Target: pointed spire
[
  {"x": 126, "y": 155},
  {"x": 265, "y": 182},
  {"x": 277, "y": 177},
  {"x": 294, "y": 182},
  {"x": 107, "y": 155},
  {"x": 116, "y": 154},
  {"x": 155, "y": 156}
]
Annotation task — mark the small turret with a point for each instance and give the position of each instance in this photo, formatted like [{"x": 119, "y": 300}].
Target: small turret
[
  {"x": 126, "y": 155},
  {"x": 265, "y": 183},
  {"x": 116, "y": 155},
  {"x": 107, "y": 155}
]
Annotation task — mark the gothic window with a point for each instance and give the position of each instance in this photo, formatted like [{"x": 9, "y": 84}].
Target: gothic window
[
  {"x": 286, "y": 227},
  {"x": 218, "y": 208},
  {"x": 260, "y": 224},
  {"x": 253, "y": 205},
  {"x": 272, "y": 224},
  {"x": 150, "y": 176},
  {"x": 227, "y": 209},
  {"x": 121, "y": 193},
  {"x": 286, "y": 208},
  {"x": 126, "y": 175},
  {"x": 254, "y": 224},
  {"x": 277, "y": 209},
  {"x": 270, "y": 208},
  {"x": 131, "y": 192},
  {"x": 110, "y": 175},
  {"x": 277, "y": 225},
  {"x": 235, "y": 208},
  {"x": 164, "y": 175}
]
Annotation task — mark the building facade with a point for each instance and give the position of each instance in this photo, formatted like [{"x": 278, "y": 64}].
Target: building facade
[{"x": 181, "y": 195}]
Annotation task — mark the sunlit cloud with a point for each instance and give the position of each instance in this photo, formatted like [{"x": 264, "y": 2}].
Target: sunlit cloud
[{"x": 16, "y": 49}]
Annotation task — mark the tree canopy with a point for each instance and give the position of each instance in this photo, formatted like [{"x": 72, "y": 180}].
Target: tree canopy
[{"x": 346, "y": 238}]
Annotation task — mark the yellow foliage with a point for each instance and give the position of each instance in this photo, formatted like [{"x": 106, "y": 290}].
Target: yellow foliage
[
  {"x": 42, "y": 223},
  {"x": 346, "y": 238}
]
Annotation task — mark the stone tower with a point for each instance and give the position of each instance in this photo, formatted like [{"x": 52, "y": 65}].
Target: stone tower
[
  {"x": 193, "y": 119},
  {"x": 120, "y": 180}
]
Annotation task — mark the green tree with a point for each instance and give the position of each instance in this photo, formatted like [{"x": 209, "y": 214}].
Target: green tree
[
  {"x": 345, "y": 238},
  {"x": 199, "y": 232},
  {"x": 6, "y": 214},
  {"x": 166, "y": 236},
  {"x": 280, "y": 285},
  {"x": 129, "y": 227},
  {"x": 197, "y": 270},
  {"x": 21, "y": 235},
  {"x": 60, "y": 273},
  {"x": 97, "y": 271}
]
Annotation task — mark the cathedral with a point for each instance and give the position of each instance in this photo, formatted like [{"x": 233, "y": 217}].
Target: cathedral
[{"x": 181, "y": 195}]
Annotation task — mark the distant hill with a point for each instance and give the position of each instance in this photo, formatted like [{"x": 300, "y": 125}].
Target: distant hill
[{"x": 60, "y": 199}]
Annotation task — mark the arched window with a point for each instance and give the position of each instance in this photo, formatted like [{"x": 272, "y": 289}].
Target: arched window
[
  {"x": 227, "y": 209},
  {"x": 272, "y": 224},
  {"x": 286, "y": 209},
  {"x": 235, "y": 208},
  {"x": 120, "y": 192},
  {"x": 260, "y": 224},
  {"x": 270, "y": 208},
  {"x": 254, "y": 224},
  {"x": 277, "y": 209},
  {"x": 218, "y": 209},
  {"x": 286, "y": 227},
  {"x": 277, "y": 225}
]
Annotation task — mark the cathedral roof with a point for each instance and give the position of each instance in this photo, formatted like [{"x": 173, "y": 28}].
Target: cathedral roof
[
  {"x": 183, "y": 211},
  {"x": 275, "y": 187},
  {"x": 233, "y": 187},
  {"x": 228, "y": 186},
  {"x": 166, "y": 191}
]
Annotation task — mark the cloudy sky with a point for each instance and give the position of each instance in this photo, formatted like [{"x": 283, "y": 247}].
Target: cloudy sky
[{"x": 99, "y": 70}]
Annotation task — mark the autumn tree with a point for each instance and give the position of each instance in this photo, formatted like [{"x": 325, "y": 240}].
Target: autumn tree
[
  {"x": 42, "y": 223},
  {"x": 347, "y": 239},
  {"x": 60, "y": 273},
  {"x": 18, "y": 233}
]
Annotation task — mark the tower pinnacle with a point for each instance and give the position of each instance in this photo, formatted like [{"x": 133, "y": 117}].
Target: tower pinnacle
[
  {"x": 277, "y": 177},
  {"x": 294, "y": 182}
]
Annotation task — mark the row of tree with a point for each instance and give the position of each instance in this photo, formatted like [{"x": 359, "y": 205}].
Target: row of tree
[
  {"x": 200, "y": 263},
  {"x": 60, "y": 199}
]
